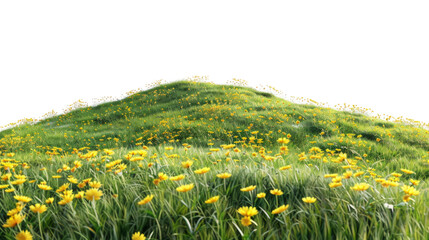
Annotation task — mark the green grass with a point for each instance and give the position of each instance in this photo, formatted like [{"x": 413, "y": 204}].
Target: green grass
[{"x": 205, "y": 116}]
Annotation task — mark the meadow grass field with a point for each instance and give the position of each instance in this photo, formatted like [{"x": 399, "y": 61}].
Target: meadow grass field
[{"x": 195, "y": 160}]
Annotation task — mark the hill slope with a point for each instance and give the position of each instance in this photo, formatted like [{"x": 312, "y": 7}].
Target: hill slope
[
  {"x": 192, "y": 160},
  {"x": 203, "y": 113}
]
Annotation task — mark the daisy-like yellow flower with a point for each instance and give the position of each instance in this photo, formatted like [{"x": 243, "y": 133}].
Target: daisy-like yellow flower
[
  {"x": 212, "y": 200},
  {"x": 49, "y": 200},
  {"x": 285, "y": 167},
  {"x": 415, "y": 182},
  {"x": 93, "y": 194},
  {"x": 138, "y": 236},
  {"x": 79, "y": 195},
  {"x": 146, "y": 200},
  {"x": 276, "y": 192},
  {"x": 248, "y": 189},
  {"x": 66, "y": 199},
  {"x": 13, "y": 221},
  {"x": 360, "y": 187},
  {"x": 185, "y": 188},
  {"x": 187, "y": 164},
  {"x": 407, "y": 171},
  {"x": 202, "y": 170},
  {"x": 261, "y": 195},
  {"x": 410, "y": 190},
  {"x": 44, "y": 187},
  {"x": 63, "y": 188},
  {"x": 95, "y": 184},
  {"x": 224, "y": 175},
  {"x": 24, "y": 235},
  {"x": 246, "y": 221},
  {"x": 335, "y": 184},
  {"x": 309, "y": 200},
  {"x": 4, "y": 186},
  {"x": 177, "y": 178},
  {"x": 38, "y": 208},
  {"x": 162, "y": 176},
  {"x": 280, "y": 209},
  {"x": 247, "y": 211},
  {"x": 22, "y": 198},
  {"x": 283, "y": 140},
  {"x": 406, "y": 198}
]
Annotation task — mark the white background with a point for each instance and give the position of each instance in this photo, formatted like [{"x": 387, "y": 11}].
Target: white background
[{"x": 370, "y": 53}]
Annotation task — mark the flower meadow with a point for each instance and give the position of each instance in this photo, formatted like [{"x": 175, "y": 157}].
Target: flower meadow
[{"x": 195, "y": 160}]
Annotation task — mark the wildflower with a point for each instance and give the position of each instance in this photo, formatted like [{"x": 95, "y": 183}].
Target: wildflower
[
  {"x": 24, "y": 235},
  {"x": 202, "y": 170},
  {"x": 406, "y": 198},
  {"x": 162, "y": 176},
  {"x": 415, "y": 182},
  {"x": 63, "y": 188},
  {"x": 261, "y": 195},
  {"x": 360, "y": 187},
  {"x": 13, "y": 221},
  {"x": 276, "y": 192},
  {"x": 95, "y": 184},
  {"x": 146, "y": 200},
  {"x": 410, "y": 190},
  {"x": 185, "y": 188},
  {"x": 44, "y": 187},
  {"x": 138, "y": 236},
  {"x": 248, "y": 189},
  {"x": 407, "y": 171},
  {"x": 309, "y": 199},
  {"x": 22, "y": 199},
  {"x": 246, "y": 221},
  {"x": 93, "y": 194},
  {"x": 177, "y": 178},
  {"x": 280, "y": 209},
  {"x": 283, "y": 140},
  {"x": 187, "y": 164},
  {"x": 285, "y": 167},
  {"x": 224, "y": 175},
  {"x": 247, "y": 211},
  {"x": 38, "y": 208},
  {"x": 49, "y": 200},
  {"x": 66, "y": 199},
  {"x": 156, "y": 181},
  {"x": 212, "y": 200}
]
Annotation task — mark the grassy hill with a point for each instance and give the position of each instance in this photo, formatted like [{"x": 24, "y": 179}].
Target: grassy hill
[{"x": 261, "y": 140}]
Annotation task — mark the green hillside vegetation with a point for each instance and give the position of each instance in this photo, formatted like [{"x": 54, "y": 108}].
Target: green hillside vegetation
[{"x": 352, "y": 164}]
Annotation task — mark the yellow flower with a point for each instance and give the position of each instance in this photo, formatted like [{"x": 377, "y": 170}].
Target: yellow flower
[
  {"x": 146, "y": 200},
  {"x": 283, "y": 140},
  {"x": 38, "y": 208},
  {"x": 410, "y": 190},
  {"x": 309, "y": 199},
  {"x": 138, "y": 236},
  {"x": 223, "y": 175},
  {"x": 247, "y": 211},
  {"x": 407, "y": 171},
  {"x": 202, "y": 170},
  {"x": 66, "y": 199},
  {"x": 13, "y": 221},
  {"x": 24, "y": 235},
  {"x": 248, "y": 189},
  {"x": 22, "y": 199},
  {"x": 285, "y": 167},
  {"x": 187, "y": 164},
  {"x": 185, "y": 188},
  {"x": 280, "y": 209},
  {"x": 49, "y": 200},
  {"x": 246, "y": 221},
  {"x": 177, "y": 178},
  {"x": 212, "y": 200},
  {"x": 63, "y": 188},
  {"x": 4, "y": 186},
  {"x": 44, "y": 187},
  {"x": 261, "y": 195},
  {"x": 276, "y": 192},
  {"x": 95, "y": 184},
  {"x": 93, "y": 194},
  {"x": 406, "y": 198},
  {"x": 415, "y": 182},
  {"x": 162, "y": 176},
  {"x": 79, "y": 195},
  {"x": 335, "y": 184},
  {"x": 360, "y": 187}
]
